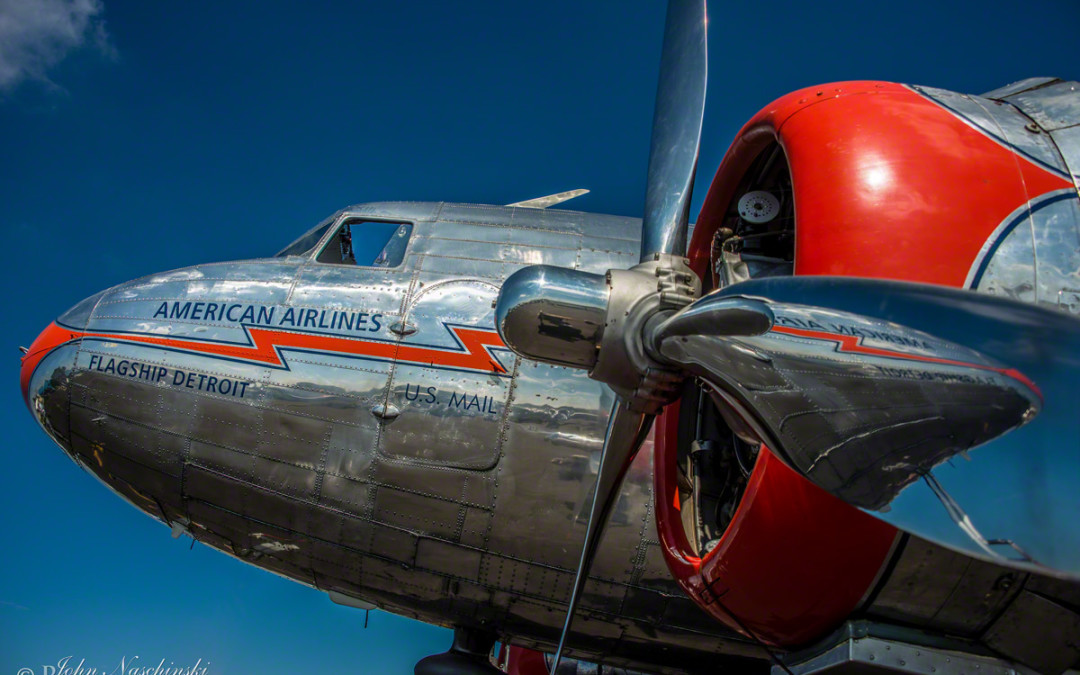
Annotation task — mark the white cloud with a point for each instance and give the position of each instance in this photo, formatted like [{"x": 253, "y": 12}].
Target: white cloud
[{"x": 35, "y": 35}]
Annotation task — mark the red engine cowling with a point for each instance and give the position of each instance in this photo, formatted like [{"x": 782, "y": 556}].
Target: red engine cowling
[{"x": 885, "y": 181}]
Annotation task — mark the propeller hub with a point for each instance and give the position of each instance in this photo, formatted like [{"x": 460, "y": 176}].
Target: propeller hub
[{"x": 600, "y": 323}]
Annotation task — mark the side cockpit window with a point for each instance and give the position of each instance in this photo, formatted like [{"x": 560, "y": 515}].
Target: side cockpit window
[{"x": 367, "y": 243}]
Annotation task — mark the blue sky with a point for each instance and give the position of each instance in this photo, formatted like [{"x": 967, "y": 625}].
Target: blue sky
[{"x": 143, "y": 136}]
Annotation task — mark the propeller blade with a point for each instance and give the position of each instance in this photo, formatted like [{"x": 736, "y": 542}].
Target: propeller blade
[
  {"x": 596, "y": 322},
  {"x": 676, "y": 132},
  {"x": 947, "y": 413},
  {"x": 625, "y": 433}
]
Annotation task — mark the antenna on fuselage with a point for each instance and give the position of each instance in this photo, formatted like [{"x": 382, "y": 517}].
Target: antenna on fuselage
[{"x": 550, "y": 200}]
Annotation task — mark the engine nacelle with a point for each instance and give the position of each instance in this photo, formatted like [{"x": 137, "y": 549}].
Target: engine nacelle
[{"x": 866, "y": 179}]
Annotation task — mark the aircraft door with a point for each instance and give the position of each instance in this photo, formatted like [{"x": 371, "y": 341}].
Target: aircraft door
[
  {"x": 342, "y": 307},
  {"x": 451, "y": 380}
]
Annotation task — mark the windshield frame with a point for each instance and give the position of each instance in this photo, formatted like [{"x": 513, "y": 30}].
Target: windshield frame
[{"x": 327, "y": 225}]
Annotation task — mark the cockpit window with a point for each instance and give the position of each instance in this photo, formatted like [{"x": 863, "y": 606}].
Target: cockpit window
[
  {"x": 307, "y": 241},
  {"x": 367, "y": 243}
]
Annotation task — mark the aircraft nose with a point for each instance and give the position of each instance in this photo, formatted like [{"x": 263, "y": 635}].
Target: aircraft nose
[
  {"x": 99, "y": 416},
  {"x": 44, "y": 374},
  {"x": 52, "y": 337},
  {"x": 47, "y": 366}
]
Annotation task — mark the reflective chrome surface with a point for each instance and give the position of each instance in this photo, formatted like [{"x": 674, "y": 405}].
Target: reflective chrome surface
[
  {"x": 1034, "y": 255},
  {"x": 235, "y": 402},
  {"x": 270, "y": 408},
  {"x": 553, "y": 314},
  {"x": 858, "y": 395},
  {"x": 862, "y": 407}
]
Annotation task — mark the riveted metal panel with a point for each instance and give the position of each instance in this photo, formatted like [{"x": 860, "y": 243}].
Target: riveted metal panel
[
  {"x": 1057, "y": 249},
  {"x": 1061, "y": 591},
  {"x": 470, "y": 268},
  {"x": 1037, "y": 632},
  {"x": 294, "y": 439},
  {"x": 450, "y": 416},
  {"x": 287, "y": 478},
  {"x": 935, "y": 588},
  {"x": 1068, "y": 144},
  {"x": 226, "y": 287},
  {"x": 176, "y": 410},
  {"x": 479, "y": 490},
  {"x": 478, "y": 213},
  {"x": 476, "y": 525},
  {"x": 330, "y": 561},
  {"x": 1010, "y": 271},
  {"x": 1035, "y": 254},
  {"x": 532, "y": 255},
  {"x": 600, "y": 261},
  {"x": 227, "y": 462},
  {"x": 395, "y": 210},
  {"x": 1017, "y": 132},
  {"x": 231, "y": 426},
  {"x": 446, "y": 558},
  {"x": 350, "y": 495},
  {"x": 1054, "y": 106},
  {"x": 394, "y": 544},
  {"x": 260, "y": 270},
  {"x": 653, "y": 567},
  {"x": 525, "y": 236},
  {"x": 213, "y": 487},
  {"x": 628, "y": 524},
  {"x": 620, "y": 244},
  {"x": 325, "y": 524},
  {"x": 553, "y": 408},
  {"x": 920, "y": 584},
  {"x": 438, "y": 482},
  {"x": 1017, "y": 87},
  {"x": 445, "y": 234},
  {"x": 135, "y": 441},
  {"x": 293, "y": 392},
  {"x": 154, "y": 487},
  {"x": 340, "y": 376},
  {"x": 592, "y": 224},
  {"x": 353, "y": 445},
  {"x": 1001, "y": 122},
  {"x": 356, "y": 533},
  {"x": 416, "y": 512},
  {"x": 871, "y": 656},
  {"x": 507, "y": 252},
  {"x": 478, "y": 250},
  {"x": 375, "y": 292}
]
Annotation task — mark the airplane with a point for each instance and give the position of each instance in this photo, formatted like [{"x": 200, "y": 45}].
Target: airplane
[{"x": 380, "y": 420}]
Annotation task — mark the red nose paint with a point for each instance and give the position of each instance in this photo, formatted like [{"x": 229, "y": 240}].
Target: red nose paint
[{"x": 50, "y": 338}]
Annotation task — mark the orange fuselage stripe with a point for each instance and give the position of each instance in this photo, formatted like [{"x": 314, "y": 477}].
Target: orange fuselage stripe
[{"x": 266, "y": 344}]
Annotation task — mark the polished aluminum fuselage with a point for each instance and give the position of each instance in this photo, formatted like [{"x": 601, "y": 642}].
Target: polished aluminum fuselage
[{"x": 362, "y": 430}]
